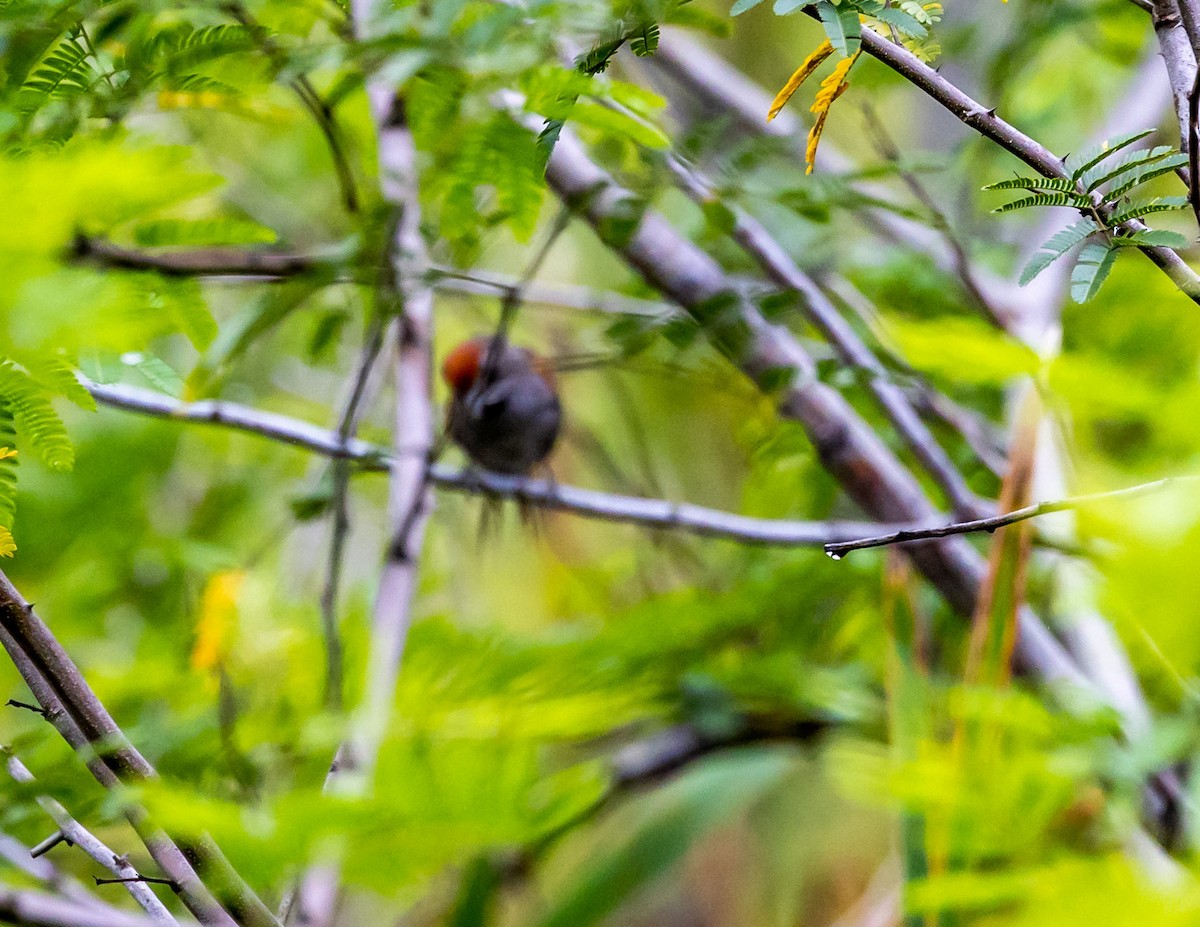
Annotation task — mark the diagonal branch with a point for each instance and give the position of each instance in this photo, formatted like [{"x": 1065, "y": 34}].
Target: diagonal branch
[
  {"x": 81, "y": 837},
  {"x": 985, "y": 121},
  {"x": 86, "y": 725},
  {"x": 166, "y": 853},
  {"x": 38, "y": 909}
]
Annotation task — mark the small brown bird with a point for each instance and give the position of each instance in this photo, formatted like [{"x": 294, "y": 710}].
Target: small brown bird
[{"x": 504, "y": 410}]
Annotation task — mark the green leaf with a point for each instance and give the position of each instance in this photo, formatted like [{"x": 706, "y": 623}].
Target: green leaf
[
  {"x": 842, "y": 26},
  {"x": 34, "y": 417},
  {"x": 8, "y": 467},
  {"x": 1056, "y": 247},
  {"x": 185, "y": 300},
  {"x": 58, "y": 376},
  {"x": 160, "y": 233},
  {"x": 1139, "y": 208},
  {"x": 1091, "y": 270},
  {"x": 1153, "y": 238},
  {"x": 1076, "y": 200},
  {"x": 741, "y": 6},
  {"x": 596, "y": 60},
  {"x": 784, "y": 7},
  {"x": 157, "y": 372},
  {"x": 1092, "y": 156},
  {"x": 903, "y": 22},
  {"x": 1057, "y": 184},
  {"x": 643, "y": 41},
  {"x": 1140, "y": 176},
  {"x": 1101, "y": 174},
  {"x": 614, "y": 122},
  {"x": 683, "y": 812}
]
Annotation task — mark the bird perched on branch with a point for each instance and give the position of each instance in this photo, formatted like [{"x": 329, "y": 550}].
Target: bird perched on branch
[{"x": 504, "y": 409}]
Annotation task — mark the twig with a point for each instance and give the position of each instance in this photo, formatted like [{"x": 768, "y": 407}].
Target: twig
[
  {"x": 1193, "y": 149},
  {"x": 311, "y": 100},
  {"x": 648, "y": 513},
  {"x": 50, "y": 843},
  {"x": 203, "y": 262},
  {"x": 36, "y": 709},
  {"x": 71, "y": 830},
  {"x": 41, "y": 868},
  {"x": 271, "y": 266},
  {"x": 889, "y": 151},
  {"x": 837, "y": 550},
  {"x": 127, "y": 880},
  {"x": 339, "y": 503}
]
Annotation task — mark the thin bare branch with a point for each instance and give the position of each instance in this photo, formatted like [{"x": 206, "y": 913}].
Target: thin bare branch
[
  {"x": 203, "y": 262},
  {"x": 839, "y": 549},
  {"x": 29, "y": 908},
  {"x": 43, "y": 869},
  {"x": 70, "y": 829},
  {"x": 311, "y": 100},
  {"x": 72, "y": 707},
  {"x": 339, "y": 504},
  {"x": 653, "y": 514},
  {"x": 271, "y": 266},
  {"x": 404, "y": 284}
]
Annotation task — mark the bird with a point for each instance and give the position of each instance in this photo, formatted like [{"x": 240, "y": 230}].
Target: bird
[{"x": 504, "y": 410}]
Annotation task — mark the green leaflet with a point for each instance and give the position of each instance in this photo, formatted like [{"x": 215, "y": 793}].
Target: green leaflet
[
  {"x": 842, "y": 26},
  {"x": 222, "y": 230},
  {"x": 1092, "y": 156},
  {"x": 1091, "y": 270},
  {"x": 1053, "y": 184},
  {"x": 1102, "y": 174},
  {"x": 1148, "y": 172},
  {"x": 57, "y": 376},
  {"x": 34, "y": 417},
  {"x": 903, "y": 22},
  {"x": 158, "y": 373},
  {"x": 8, "y": 467},
  {"x": 741, "y": 6},
  {"x": 1076, "y": 200},
  {"x": 1056, "y": 247},
  {"x": 1154, "y": 238},
  {"x": 1138, "y": 208}
]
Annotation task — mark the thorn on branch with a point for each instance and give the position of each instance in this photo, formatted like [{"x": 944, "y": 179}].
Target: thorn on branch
[
  {"x": 36, "y": 709},
  {"x": 174, "y": 886},
  {"x": 50, "y": 843}
]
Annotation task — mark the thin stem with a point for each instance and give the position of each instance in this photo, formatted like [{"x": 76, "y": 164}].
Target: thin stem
[
  {"x": 311, "y": 100},
  {"x": 837, "y": 550},
  {"x": 340, "y": 506}
]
